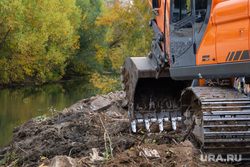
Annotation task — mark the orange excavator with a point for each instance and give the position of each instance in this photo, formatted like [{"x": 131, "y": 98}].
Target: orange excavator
[{"x": 199, "y": 55}]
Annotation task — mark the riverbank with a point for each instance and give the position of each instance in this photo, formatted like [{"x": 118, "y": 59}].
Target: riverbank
[
  {"x": 96, "y": 132},
  {"x": 21, "y": 103}
]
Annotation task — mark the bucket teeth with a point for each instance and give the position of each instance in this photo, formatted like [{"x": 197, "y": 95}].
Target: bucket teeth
[
  {"x": 147, "y": 125},
  {"x": 124, "y": 94},
  {"x": 123, "y": 86},
  {"x": 122, "y": 69},
  {"x": 160, "y": 120},
  {"x": 122, "y": 78},
  {"x": 173, "y": 120},
  {"x": 125, "y": 102},
  {"x": 133, "y": 126}
]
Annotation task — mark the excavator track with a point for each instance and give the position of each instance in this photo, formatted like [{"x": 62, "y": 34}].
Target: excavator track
[{"x": 221, "y": 118}]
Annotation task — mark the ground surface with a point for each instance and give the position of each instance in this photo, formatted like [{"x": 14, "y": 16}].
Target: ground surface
[{"x": 96, "y": 132}]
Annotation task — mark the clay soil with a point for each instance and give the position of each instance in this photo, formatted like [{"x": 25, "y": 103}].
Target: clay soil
[{"x": 98, "y": 122}]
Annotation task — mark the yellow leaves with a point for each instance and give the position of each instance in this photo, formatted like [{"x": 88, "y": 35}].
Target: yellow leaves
[
  {"x": 133, "y": 54},
  {"x": 117, "y": 56},
  {"x": 104, "y": 83},
  {"x": 39, "y": 29},
  {"x": 101, "y": 53},
  {"x": 43, "y": 158},
  {"x": 107, "y": 19},
  {"x": 84, "y": 16},
  {"x": 85, "y": 26},
  {"x": 76, "y": 44},
  {"x": 127, "y": 31}
]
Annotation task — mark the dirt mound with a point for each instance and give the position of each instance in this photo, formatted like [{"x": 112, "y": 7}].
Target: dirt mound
[
  {"x": 98, "y": 122},
  {"x": 181, "y": 154}
]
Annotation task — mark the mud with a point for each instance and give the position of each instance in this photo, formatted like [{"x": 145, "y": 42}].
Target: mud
[{"x": 98, "y": 122}]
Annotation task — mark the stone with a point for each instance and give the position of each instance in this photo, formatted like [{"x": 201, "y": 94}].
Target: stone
[
  {"x": 100, "y": 103},
  {"x": 63, "y": 161}
]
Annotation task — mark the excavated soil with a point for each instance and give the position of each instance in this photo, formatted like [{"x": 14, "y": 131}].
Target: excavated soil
[{"x": 98, "y": 122}]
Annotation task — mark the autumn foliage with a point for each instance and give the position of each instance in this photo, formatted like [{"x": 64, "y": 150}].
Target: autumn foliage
[
  {"x": 42, "y": 40},
  {"x": 36, "y": 39},
  {"x": 128, "y": 35}
]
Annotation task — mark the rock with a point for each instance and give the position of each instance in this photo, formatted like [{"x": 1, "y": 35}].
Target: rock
[
  {"x": 151, "y": 153},
  {"x": 116, "y": 97},
  {"x": 95, "y": 157},
  {"x": 63, "y": 161},
  {"x": 100, "y": 103}
]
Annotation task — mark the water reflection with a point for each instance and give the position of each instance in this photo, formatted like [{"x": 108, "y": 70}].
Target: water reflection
[{"x": 19, "y": 104}]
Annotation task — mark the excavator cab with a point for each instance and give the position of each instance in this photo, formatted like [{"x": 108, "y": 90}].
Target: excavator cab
[{"x": 188, "y": 23}]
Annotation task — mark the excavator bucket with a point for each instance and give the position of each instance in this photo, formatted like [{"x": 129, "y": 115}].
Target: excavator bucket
[{"x": 150, "y": 101}]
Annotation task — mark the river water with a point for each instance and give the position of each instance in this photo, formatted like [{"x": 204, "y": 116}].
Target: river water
[{"x": 21, "y": 103}]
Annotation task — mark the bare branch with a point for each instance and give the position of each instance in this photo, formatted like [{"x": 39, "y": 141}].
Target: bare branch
[{"x": 4, "y": 39}]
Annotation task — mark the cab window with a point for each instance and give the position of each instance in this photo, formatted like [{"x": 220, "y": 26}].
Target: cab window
[
  {"x": 200, "y": 10},
  {"x": 181, "y": 9},
  {"x": 156, "y": 3}
]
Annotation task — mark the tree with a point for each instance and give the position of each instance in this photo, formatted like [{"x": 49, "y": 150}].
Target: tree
[
  {"x": 92, "y": 38},
  {"x": 42, "y": 35},
  {"x": 128, "y": 34}
]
